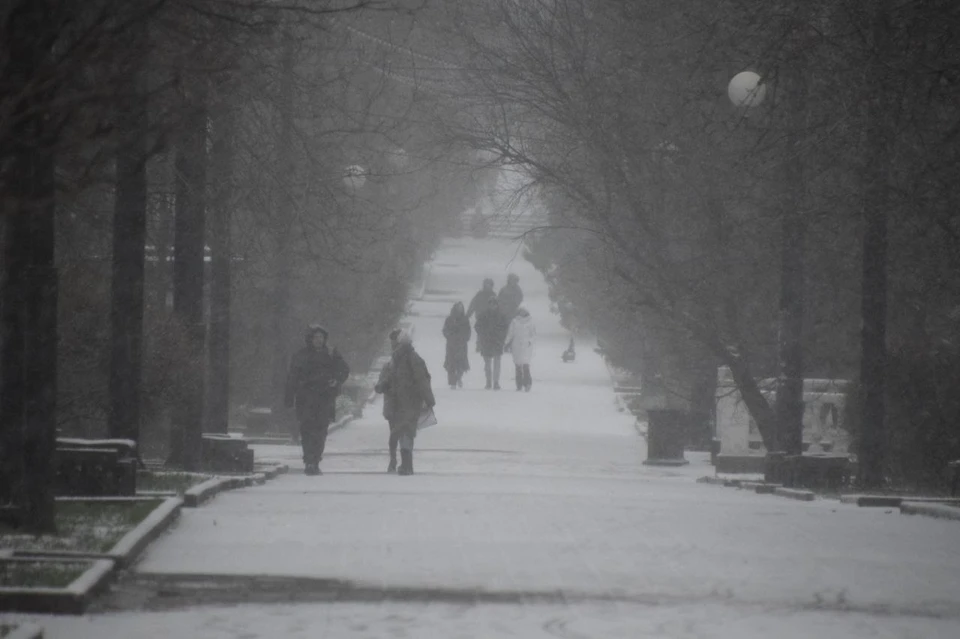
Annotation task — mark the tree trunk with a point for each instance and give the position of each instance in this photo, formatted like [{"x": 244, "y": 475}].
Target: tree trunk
[
  {"x": 218, "y": 397},
  {"x": 129, "y": 236},
  {"x": 282, "y": 265},
  {"x": 29, "y": 352},
  {"x": 188, "y": 270},
  {"x": 873, "y": 303}
]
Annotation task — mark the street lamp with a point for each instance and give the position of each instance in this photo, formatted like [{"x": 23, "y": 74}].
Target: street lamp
[
  {"x": 746, "y": 89},
  {"x": 354, "y": 177}
]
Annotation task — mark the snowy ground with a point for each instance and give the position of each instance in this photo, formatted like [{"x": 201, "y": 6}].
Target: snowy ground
[{"x": 538, "y": 500}]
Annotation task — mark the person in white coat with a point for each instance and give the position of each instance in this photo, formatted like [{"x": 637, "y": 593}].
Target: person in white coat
[{"x": 519, "y": 343}]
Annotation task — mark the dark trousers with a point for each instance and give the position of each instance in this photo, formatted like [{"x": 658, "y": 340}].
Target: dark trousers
[
  {"x": 523, "y": 377},
  {"x": 454, "y": 376},
  {"x": 491, "y": 368},
  {"x": 313, "y": 439},
  {"x": 394, "y": 440}
]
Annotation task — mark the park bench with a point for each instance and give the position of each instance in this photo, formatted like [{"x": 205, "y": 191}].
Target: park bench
[{"x": 95, "y": 467}]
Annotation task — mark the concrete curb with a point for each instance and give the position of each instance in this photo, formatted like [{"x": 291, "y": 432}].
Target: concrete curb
[
  {"x": 274, "y": 471},
  {"x": 793, "y": 493},
  {"x": 206, "y": 490},
  {"x": 126, "y": 551},
  {"x": 27, "y": 631},
  {"x": 130, "y": 546},
  {"x": 72, "y": 600},
  {"x": 894, "y": 501},
  {"x": 940, "y": 511},
  {"x": 761, "y": 488}
]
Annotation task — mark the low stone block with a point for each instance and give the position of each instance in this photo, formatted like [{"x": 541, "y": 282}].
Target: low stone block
[
  {"x": 940, "y": 511},
  {"x": 793, "y": 493}
]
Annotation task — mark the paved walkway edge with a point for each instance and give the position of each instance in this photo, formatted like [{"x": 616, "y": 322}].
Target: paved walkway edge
[
  {"x": 72, "y": 600},
  {"x": 939, "y": 511}
]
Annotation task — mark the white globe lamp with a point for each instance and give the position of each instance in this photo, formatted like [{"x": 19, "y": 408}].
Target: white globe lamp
[
  {"x": 746, "y": 89},
  {"x": 354, "y": 176}
]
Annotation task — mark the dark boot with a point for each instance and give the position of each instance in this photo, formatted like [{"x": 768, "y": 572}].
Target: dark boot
[{"x": 406, "y": 463}]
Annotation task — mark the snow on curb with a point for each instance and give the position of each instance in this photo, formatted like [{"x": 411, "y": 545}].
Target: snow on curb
[
  {"x": 129, "y": 547},
  {"x": 940, "y": 511},
  {"x": 134, "y": 542},
  {"x": 894, "y": 501},
  {"x": 72, "y": 600},
  {"x": 793, "y": 493},
  {"x": 25, "y": 632},
  {"x": 203, "y": 491}
]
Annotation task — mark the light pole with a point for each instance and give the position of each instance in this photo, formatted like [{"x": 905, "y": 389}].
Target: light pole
[{"x": 747, "y": 90}]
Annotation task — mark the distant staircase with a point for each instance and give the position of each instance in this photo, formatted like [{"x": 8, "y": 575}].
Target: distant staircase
[{"x": 503, "y": 226}]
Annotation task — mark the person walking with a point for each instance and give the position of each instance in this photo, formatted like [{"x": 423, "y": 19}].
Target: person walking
[
  {"x": 410, "y": 393},
  {"x": 456, "y": 329},
  {"x": 491, "y": 330},
  {"x": 383, "y": 383},
  {"x": 510, "y": 296},
  {"x": 479, "y": 301},
  {"x": 519, "y": 343},
  {"x": 316, "y": 376}
]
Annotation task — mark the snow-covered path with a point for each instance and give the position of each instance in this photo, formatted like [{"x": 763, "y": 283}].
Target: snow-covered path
[{"x": 540, "y": 493}]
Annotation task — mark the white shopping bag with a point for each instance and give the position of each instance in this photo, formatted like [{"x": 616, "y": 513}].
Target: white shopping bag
[{"x": 427, "y": 418}]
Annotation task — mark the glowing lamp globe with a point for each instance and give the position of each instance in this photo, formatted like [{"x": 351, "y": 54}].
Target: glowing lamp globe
[
  {"x": 746, "y": 90},
  {"x": 354, "y": 176}
]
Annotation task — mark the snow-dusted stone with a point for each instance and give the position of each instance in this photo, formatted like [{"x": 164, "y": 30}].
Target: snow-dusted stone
[
  {"x": 72, "y": 600},
  {"x": 794, "y": 493},
  {"x": 940, "y": 511}
]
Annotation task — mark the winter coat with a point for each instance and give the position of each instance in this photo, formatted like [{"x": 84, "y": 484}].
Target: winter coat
[
  {"x": 408, "y": 389},
  {"x": 520, "y": 339},
  {"x": 491, "y": 330},
  {"x": 314, "y": 381},
  {"x": 383, "y": 383},
  {"x": 480, "y": 301},
  {"x": 456, "y": 328},
  {"x": 510, "y": 298}
]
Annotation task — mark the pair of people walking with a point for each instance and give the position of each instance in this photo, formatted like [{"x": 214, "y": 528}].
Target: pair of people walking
[
  {"x": 405, "y": 384},
  {"x": 502, "y": 325}
]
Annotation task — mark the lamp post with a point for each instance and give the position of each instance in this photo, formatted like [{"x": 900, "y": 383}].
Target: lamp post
[
  {"x": 354, "y": 177},
  {"x": 747, "y": 90}
]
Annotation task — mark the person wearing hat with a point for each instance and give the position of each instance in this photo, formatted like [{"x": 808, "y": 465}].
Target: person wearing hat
[
  {"x": 479, "y": 301},
  {"x": 383, "y": 385},
  {"x": 410, "y": 394},
  {"x": 510, "y": 297},
  {"x": 316, "y": 375}
]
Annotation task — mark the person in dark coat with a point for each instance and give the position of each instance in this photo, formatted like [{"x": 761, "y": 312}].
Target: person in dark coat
[
  {"x": 316, "y": 376},
  {"x": 410, "y": 393},
  {"x": 510, "y": 297},
  {"x": 479, "y": 301},
  {"x": 456, "y": 328},
  {"x": 383, "y": 383},
  {"x": 491, "y": 330}
]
